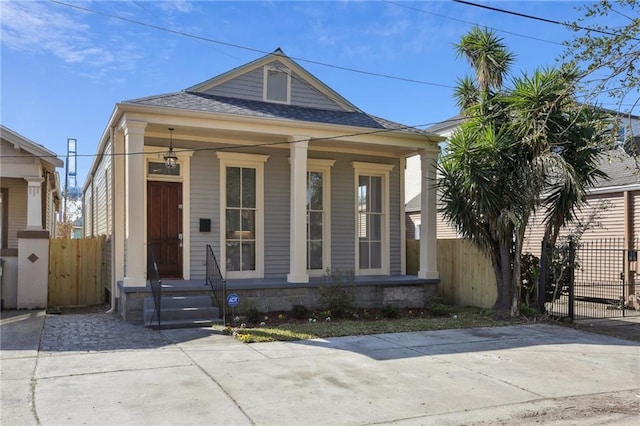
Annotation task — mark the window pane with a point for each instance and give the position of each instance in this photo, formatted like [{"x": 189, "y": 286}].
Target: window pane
[
  {"x": 315, "y": 255},
  {"x": 315, "y": 225},
  {"x": 233, "y": 224},
  {"x": 249, "y": 256},
  {"x": 248, "y": 224},
  {"x": 233, "y": 256},
  {"x": 375, "y": 194},
  {"x": 233, "y": 187},
  {"x": 375, "y": 227},
  {"x": 314, "y": 191},
  {"x": 362, "y": 225},
  {"x": 364, "y": 255},
  {"x": 249, "y": 188},
  {"x": 363, "y": 193},
  {"x": 276, "y": 85},
  {"x": 376, "y": 255}
]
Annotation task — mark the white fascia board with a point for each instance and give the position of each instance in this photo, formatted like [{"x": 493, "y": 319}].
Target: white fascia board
[
  {"x": 318, "y": 131},
  {"x": 31, "y": 147},
  {"x": 612, "y": 189}
]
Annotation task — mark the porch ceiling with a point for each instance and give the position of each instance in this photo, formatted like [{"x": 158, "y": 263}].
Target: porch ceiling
[{"x": 193, "y": 137}]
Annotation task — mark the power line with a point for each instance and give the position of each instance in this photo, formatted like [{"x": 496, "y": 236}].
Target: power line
[
  {"x": 257, "y": 145},
  {"x": 537, "y": 18},
  {"x": 471, "y": 23},
  {"x": 251, "y": 49}
]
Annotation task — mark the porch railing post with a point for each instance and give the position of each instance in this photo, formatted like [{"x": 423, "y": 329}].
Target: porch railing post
[{"x": 571, "y": 268}]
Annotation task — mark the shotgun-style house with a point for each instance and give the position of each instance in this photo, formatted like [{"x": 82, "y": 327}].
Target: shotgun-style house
[
  {"x": 30, "y": 198},
  {"x": 271, "y": 172}
]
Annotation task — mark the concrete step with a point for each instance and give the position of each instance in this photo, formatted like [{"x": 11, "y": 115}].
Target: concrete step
[
  {"x": 170, "y": 314},
  {"x": 166, "y": 325},
  {"x": 181, "y": 312},
  {"x": 179, "y": 302}
]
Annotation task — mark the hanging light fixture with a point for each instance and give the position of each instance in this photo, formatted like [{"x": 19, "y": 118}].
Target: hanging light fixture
[{"x": 170, "y": 157}]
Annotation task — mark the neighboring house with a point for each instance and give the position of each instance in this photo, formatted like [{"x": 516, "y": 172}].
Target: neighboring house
[
  {"x": 279, "y": 174},
  {"x": 29, "y": 201},
  {"x": 622, "y": 168},
  {"x": 614, "y": 201}
]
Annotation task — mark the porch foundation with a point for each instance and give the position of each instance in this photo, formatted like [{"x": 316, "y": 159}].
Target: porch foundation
[{"x": 269, "y": 295}]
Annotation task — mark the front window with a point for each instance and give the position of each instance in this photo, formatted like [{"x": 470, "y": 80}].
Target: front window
[
  {"x": 241, "y": 219},
  {"x": 372, "y": 218},
  {"x": 370, "y": 221},
  {"x": 318, "y": 215},
  {"x": 315, "y": 220},
  {"x": 241, "y": 212}
]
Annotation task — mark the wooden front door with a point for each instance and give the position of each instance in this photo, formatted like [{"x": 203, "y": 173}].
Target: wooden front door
[{"x": 164, "y": 226}]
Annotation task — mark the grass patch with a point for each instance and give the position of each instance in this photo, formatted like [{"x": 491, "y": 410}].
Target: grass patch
[{"x": 457, "y": 318}]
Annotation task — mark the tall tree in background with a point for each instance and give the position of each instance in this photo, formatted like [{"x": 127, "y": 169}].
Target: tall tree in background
[
  {"x": 517, "y": 144},
  {"x": 609, "y": 55}
]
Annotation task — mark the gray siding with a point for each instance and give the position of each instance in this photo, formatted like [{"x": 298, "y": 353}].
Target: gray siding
[
  {"x": 276, "y": 214},
  {"x": 343, "y": 228},
  {"x": 205, "y": 204},
  {"x": 250, "y": 86}
]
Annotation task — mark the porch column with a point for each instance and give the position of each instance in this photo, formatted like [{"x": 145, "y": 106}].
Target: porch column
[
  {"x": 428, "y": 238},
  {"x": 135, "y": 245},
  {"x": 298, "y": 221},
  {"x": 34, "y": 203},
  {"x": 118, "y": 232}
]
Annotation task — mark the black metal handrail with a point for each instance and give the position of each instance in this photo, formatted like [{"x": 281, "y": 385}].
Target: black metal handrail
[
  {"x": 216, "y": 281},
  {"x": 156, "y": 284}
]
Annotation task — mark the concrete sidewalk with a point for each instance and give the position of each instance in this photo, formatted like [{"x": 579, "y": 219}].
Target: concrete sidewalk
[{"x": 97, "y": 370}]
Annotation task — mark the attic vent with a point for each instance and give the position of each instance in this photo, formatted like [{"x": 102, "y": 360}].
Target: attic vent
[{"x": 277, "y": 85}]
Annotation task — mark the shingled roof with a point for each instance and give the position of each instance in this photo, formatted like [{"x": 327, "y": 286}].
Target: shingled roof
[{"x": 202, "y": 102}]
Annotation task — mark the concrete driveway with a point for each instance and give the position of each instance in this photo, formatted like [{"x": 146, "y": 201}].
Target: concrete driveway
[{"x": 97, "y": 370}]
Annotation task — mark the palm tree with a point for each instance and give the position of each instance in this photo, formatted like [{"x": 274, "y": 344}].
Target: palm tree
[{"x": 517, "y": 145}]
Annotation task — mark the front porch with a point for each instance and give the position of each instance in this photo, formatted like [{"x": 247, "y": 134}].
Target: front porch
[{"x": 276, "y": 294}]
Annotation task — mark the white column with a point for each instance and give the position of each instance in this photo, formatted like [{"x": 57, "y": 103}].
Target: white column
[
  {"x": 428, "y": 238},
  {"x": 136, "y": 247},
  {"x": 298, "y": 221},
  {"x": 119, "y": 202},
  {"x": 34, "y": 203}
]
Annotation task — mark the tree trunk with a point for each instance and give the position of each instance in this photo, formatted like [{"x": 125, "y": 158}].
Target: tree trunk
[{"x": 502, "y": 268}]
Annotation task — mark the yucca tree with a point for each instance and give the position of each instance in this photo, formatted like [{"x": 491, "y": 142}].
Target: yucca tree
[{"x": 522, "y": 148}]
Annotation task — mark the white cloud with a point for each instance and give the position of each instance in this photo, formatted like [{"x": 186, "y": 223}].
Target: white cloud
[{"x": 42, "y": 27}]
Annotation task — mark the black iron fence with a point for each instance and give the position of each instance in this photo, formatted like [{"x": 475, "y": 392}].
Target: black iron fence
[
  {"x": 216, "y": 281},
  {"x": 590, "y": 279},
  {"x": 156, "y": 284}
]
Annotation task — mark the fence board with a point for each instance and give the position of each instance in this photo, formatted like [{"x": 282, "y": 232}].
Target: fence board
[
  {"x": 76, "y": 272},
  {"x": 466, "y": 275}
]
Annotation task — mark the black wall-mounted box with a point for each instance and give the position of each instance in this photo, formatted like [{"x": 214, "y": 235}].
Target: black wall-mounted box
[{"x": 205, "y": 225}]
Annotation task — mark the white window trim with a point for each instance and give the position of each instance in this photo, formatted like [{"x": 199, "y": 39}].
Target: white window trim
[
  {"x": 323, "y": 166},
  {"x": 232, "y": 159},
  {"x": 265, "y": 82},
  {"x": 383, "y": 170}
]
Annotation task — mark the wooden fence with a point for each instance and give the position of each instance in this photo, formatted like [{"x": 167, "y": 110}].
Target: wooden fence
[
  {"x": 466, "y": 275},
  {"x": 77, "y": 272}
]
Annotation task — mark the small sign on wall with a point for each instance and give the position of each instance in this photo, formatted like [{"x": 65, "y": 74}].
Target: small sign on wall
[{"x": 205, "y": 225}]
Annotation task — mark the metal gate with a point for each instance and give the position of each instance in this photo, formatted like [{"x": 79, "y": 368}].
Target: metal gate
[{"x": 591, "y": 279}]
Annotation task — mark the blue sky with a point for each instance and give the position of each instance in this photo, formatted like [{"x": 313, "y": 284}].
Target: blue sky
[{"x": 64, "y": 69}]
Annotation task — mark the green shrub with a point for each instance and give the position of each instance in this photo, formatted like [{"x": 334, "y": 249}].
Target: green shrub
[
  {"x": 438, "y": 309},
  {"x": 390, "y": 311},
  {"x": 299, "y": 311},
  {"x": 339, "y": 295},
  {"x": 252, "y": 315}
]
